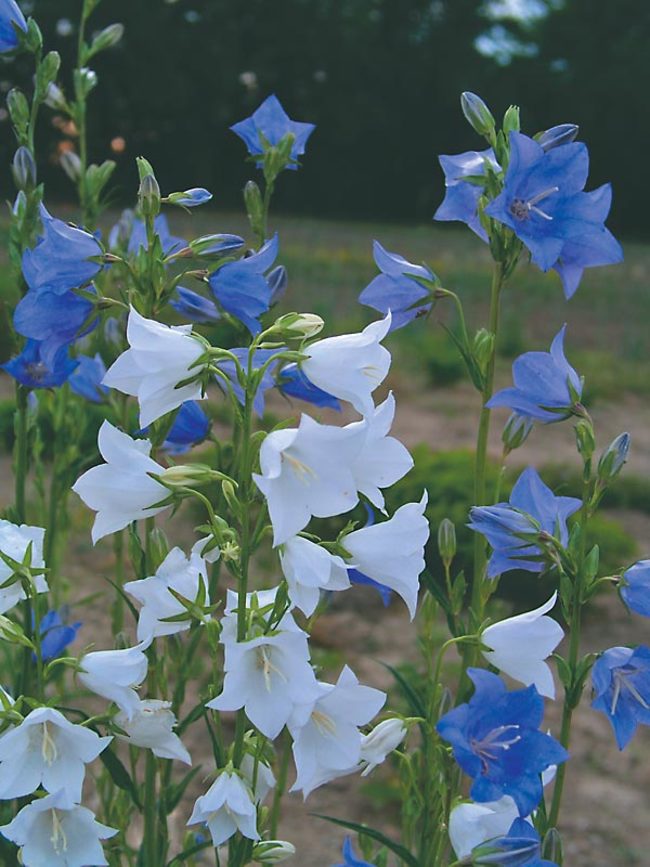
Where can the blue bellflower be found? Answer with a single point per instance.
(277, 280)
(191, 426)
(546, 387)
(520, 847)
(56, 633)
(10, 18)
(533, 508)
(260, 357)
(55, 319)
(271, 123)
(621, 681)
(544, 203)
(241, 287)
(397, 288)
(60, 261)
(293, 382)
(86, 380)
(33, 371)
(635, 587)
(496, 740)
(461, 197)
(191, 198)
(194, 307)
(349, 857)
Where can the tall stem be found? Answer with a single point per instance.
(87, 218)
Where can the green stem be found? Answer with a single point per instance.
(87, 217)
(280, 788)
(150, 829)
(20, 452)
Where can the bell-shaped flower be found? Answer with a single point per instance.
(546, 387)
(35, 367)
(310, 568)
(15, 540)
(520, 645)
(397, 289)
(511, 528)
(270, 123)
(185, 576)
(292, 382)
(11, 18)
(634, 587)
(160, 357)
(308, 471)
(86, 380)
(191, 426)
(621, 681)
(379, 743)
(46, 750)
(472, 824)
(57, 633)
(461, 196)
(121, 490)
(521, 846)
(54, 319)
(350, 366)
(151, 727)
(259, 777)
(544, 203)
(349, 857)
(326, 737)
(227, 807)
(56, 832)
(115, 675)
(383, 460)
(193, 306)
(241, 288)
(496, 740)
(268, 676)
(62, 258)
(392, 553)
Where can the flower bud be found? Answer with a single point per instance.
(18, 108)
(47, 72)
(87, 79)
(157, 548)
(483, 347)
(447, 541)
(215, 245)
(71, 165)
(190, 198)
(55, 98)
(186, 475)
(254, 204)
(556, 136)
(149, 196)
(585, 439)
(277, 280)
(515, 433)
(552, 846)
(23, 169)
(299, 324)
(381, 741)
(477, 114)
(273, 851)
(107, 38)
(511, 120)
(614, 457)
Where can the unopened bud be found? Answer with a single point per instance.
(189, 198)
(107, 38)
(477, 114)
(585, 439)
(55, 97)
(516, 430)
(185, 475)
(87, 79)
(299, 324)
(563, 133)
(215, 245)
(381, 741)
(254, 204)
(483, 347)
(273, 851)
(277, 280)
(511, 120)
(18, 108)
(157, 548)
(71, 165)
(23, 169)
(149, 196)
(614, 457)
(552, 846)
(447, 541)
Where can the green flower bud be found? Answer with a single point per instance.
(108, 37)
(273, 851)
(18, 109)
(23, 169)
(149, 196)
(447, 541)
(511, 120)
(585, 439)
(299, 324)
(477, 114)
(254, 204)
(71, 165)
(515, 433)
(613, 458)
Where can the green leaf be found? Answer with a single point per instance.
(414, 700)
(402, 853)
(180, 859)
(120, 775)
(174, 794)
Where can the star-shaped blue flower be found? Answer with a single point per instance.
(54, 319)
(32, 370)
(496, 740)
(270, 123)
(621, 681)
(546, 387)
(635, 587)
(533, 508)
(397, 288)
(461, 197)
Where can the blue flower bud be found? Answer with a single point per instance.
(613, 458)
(23, 169)
(190, 198)
(477, 114)
(563, 133)
(215, 245)
(515, 433)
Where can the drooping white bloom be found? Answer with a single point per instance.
(520, 645)
(225, 808)
(472, 824)
(120, 491)
(350, 366)
(383, 460)
(151, 727)
(177, 572)
(159, 358)
(380, 742)
(114, 674)
(392, 552)
(46, 749)
(262, 774)
(326, 737)
(199, 547)
(14, 541)
(310, 568)
(56, 832)
(308, 471)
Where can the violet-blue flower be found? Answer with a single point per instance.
(138, 238)
(10, 18)
(61, 259)
(520, 847)
(33, 371)
(544, 203)
(533, 508)
(190, 198)
(621, 681)
(191, 426)
(193, 306)
(56, 633)
(277, 280)
(635, 587)
(349, 857)
(397, 288)
(241, 287)
(270, 123)
(293, 382)
(54, 319)
(86, 380)
(461, 197)
(496, 740)
(546, 387)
